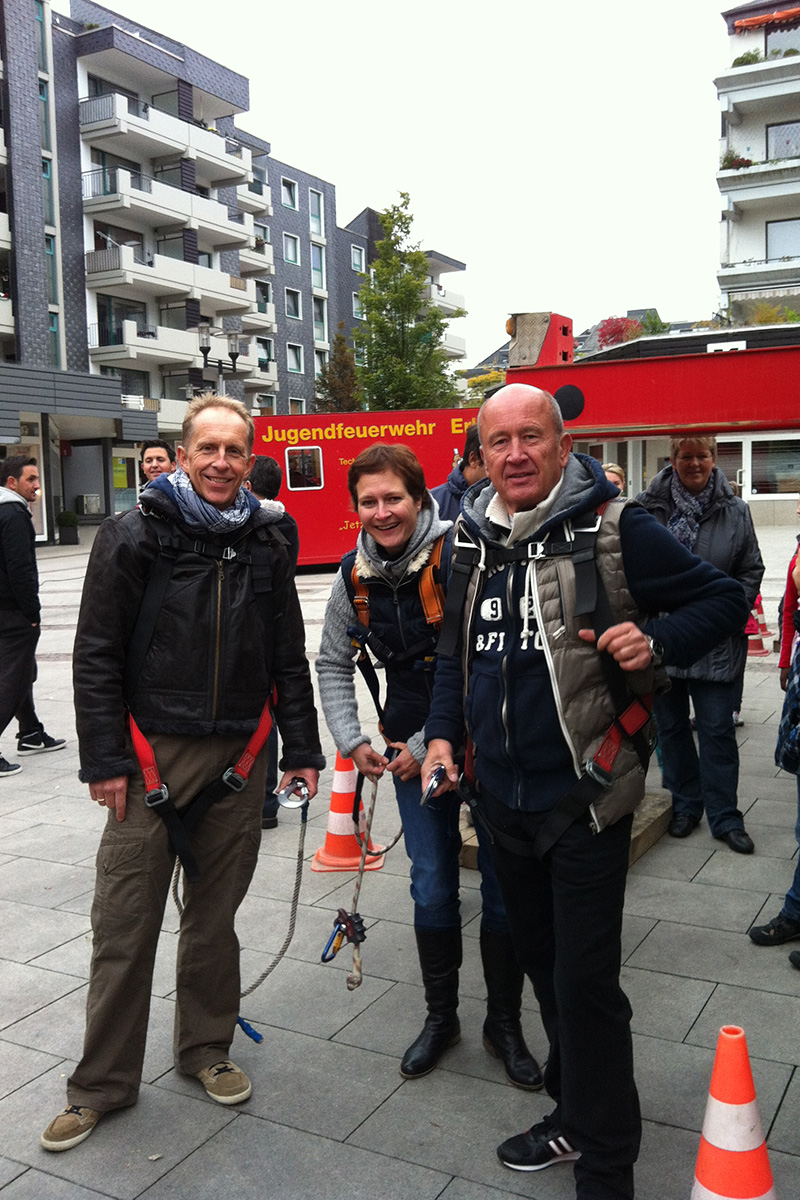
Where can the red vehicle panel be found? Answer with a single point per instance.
(315, 453)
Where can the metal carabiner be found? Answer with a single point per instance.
(334, 943)
(438, 775)
(295, 787)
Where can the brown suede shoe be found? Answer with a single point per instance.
(225, 1082)
(70, 1127)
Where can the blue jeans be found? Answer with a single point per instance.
(711, 780)
(433, 844)
(791, 905)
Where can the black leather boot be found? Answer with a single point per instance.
(439, 957)
(502, 1032)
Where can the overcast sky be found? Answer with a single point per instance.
(565, 152)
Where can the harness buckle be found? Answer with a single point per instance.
(228, 553)
(157, 796)
(598, 773)
(235, 782)
(536, 550)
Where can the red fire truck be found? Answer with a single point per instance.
(315, 454)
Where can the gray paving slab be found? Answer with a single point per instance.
(36, 1185)
(24, 989)
(673, 859)
(692, 903)
(21, 1064)
(127, 1153)
(47, 884)
(664, 1006)
(253, 1156)
(755, 872)
(29, 931)
(10, 1170)
(770, 1021)
(785, 1131)
(51, 843)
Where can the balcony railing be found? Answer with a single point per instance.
(104, 182)
(261, 305)
(238, 284)
(255, 185)
(102, 334)
(264, 363)
(233, 148)
(101, 108)
(141, 403)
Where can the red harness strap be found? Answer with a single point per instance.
(628, 723)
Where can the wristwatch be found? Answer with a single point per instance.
(656, 651)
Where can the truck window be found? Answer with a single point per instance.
(304, 468)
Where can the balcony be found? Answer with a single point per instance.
(759, 186)
(134, 342)
(756, 88)
(6, 317)
(758, 274)
(255, 197)
(256, 258)
(134, 130)
(454, 347)
(161, 205)
(264, 378)
(141, 403)
(261, 319)
(443, 298)
(122, 270)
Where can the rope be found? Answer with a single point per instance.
(356, 975)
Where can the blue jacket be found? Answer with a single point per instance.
(512, 706)
(448, 495)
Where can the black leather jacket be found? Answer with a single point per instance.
(210, 661)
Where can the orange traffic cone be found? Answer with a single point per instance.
(341, 851)
(732, 1162)
(758, 611)
(756, 631)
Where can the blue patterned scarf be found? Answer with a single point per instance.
(197, 513)
(685, 521)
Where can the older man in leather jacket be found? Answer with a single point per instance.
(226, 630)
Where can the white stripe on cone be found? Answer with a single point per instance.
(732, 1126)
(702, 1193)
(345, 781)
(341, 824)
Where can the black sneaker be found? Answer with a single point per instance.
(542, 1146)
(777, 931)
(7, 768)
(38, 743)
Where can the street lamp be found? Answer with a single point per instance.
(236, 345)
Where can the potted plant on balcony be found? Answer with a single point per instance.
(68, 531)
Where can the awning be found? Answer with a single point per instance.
(783, 17)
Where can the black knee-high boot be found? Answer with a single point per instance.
(439, 957)
(502, 1032)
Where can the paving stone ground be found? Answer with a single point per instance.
(330, 1117)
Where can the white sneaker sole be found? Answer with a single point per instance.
(562, 1158)
(42, 749)
(7, 774)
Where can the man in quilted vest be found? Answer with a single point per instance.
(557, 642)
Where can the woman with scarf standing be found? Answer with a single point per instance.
(400, 526)
(693, 499)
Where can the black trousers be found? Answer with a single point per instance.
(565, 914)
(18, 640)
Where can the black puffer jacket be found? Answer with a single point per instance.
(209, 664)
(728, 540)
(19, 580)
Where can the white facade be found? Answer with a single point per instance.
(759, 175)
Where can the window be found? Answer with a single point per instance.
(44, 122)
(776, 466)
(171, 246)
(320, 320)
(38, 8)
(261, 231)
(263, 294)
(316, 217)
(47, 191)
(205, 259)
(783, 141)
(297, 406)
(291, 248)
(55, 349)
(50, 260)
(303, 464)
(294, 305)
(266, 352)
(358, 311)
(783, 239)
(288, 193)
(266, 402)
(133, 383)
(357, 258)
(359, 356)
(320, 361)
(317, 266)
(172, 316)
(294, 358)
(781, 40)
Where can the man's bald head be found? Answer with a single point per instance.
(523, 444)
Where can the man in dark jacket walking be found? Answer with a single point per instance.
(470, 469)
(563, 579)
(19, 609)
(224, 629)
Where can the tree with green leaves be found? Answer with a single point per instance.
(402, 332)
(338, 389)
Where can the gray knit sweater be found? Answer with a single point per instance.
(336, 659)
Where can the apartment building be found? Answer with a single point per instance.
(150, 248)
(759, 175)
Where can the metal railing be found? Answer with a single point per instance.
(233, 148)
(141, 403)
(256, 186)
(102, 334)
(760, 262)
(265, 363)
(104, 182)
(101, 108)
